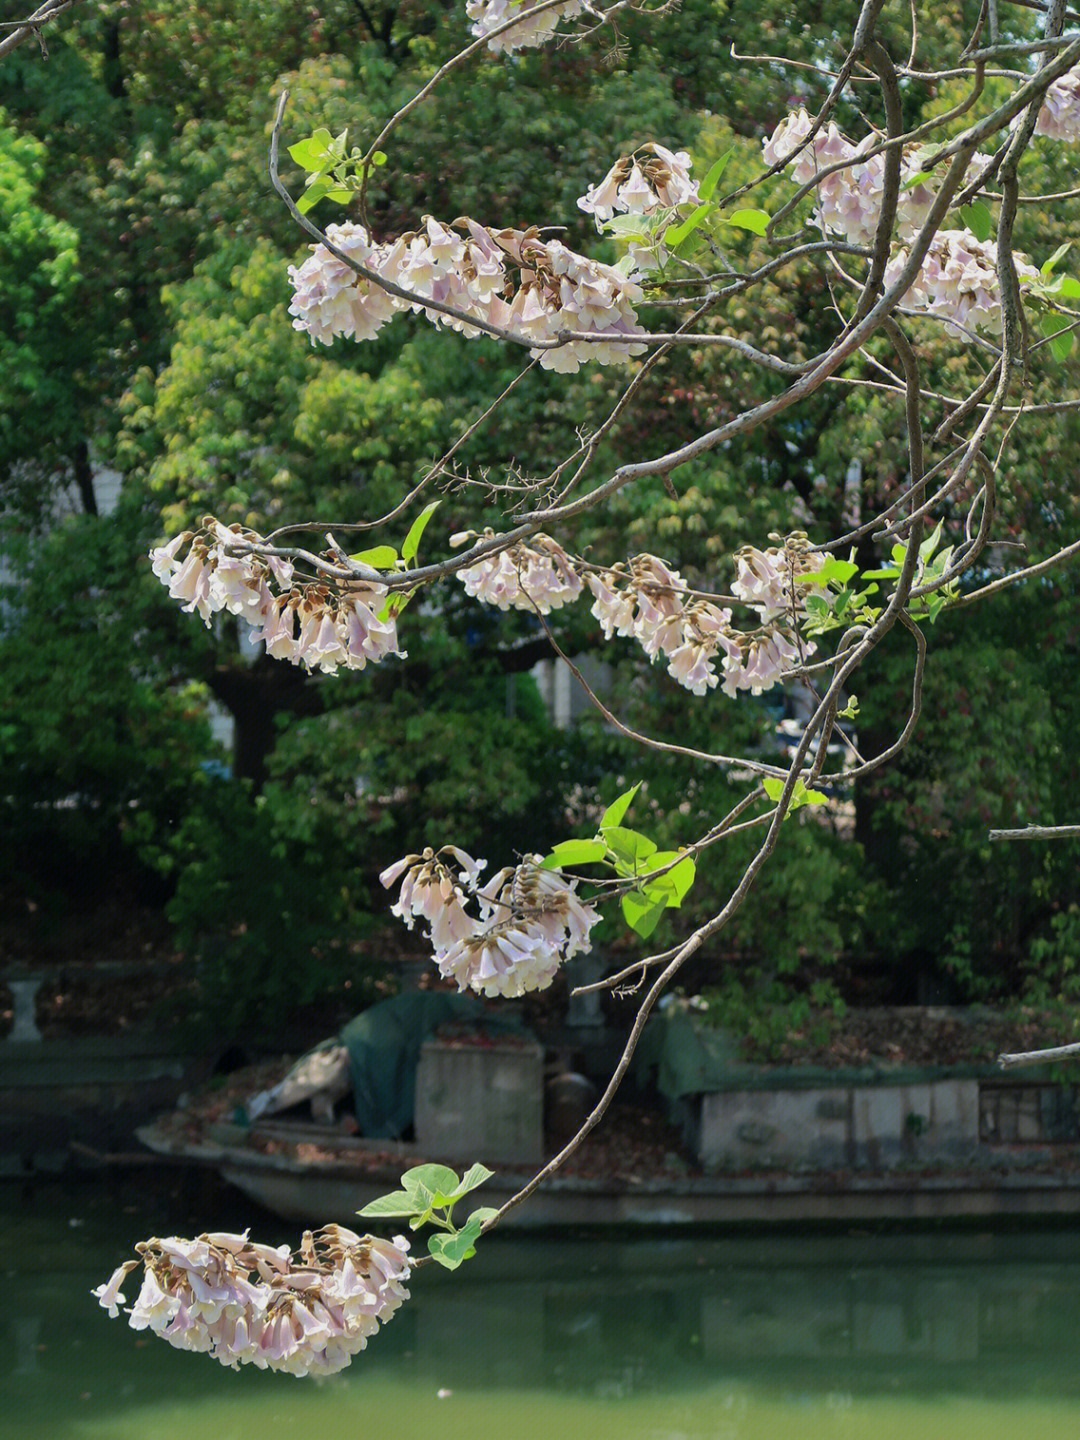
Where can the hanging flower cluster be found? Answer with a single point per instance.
(1059, 115)
(646, 601)
(529, 920)
(509, 278)
(958, 281)
(314, 625)
(532, 575)
(766, 579)
(643, 600)
(244, 1303)
(652, 178)
(488, 15)
(849, 201)
(209, 579)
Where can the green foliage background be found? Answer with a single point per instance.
(144, 298)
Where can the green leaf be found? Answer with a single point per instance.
(1048, 265)
(833, 569)
(891, 574)
(1060, 344)
(483, 1213)
(641, 913)
(978, 219)
(411, 544)
(432, 1178)
(628, 846)
(314, 154)
(401, 1202)
(1068, 288)
(451, 1250)
(707, 188)
(395, 604)
(575, 852)
(919, 178)
(379, 158)
(617, 809)
(320, 186)
(930, 544)
(381, 557)
(627, 227)
(474, 1176)
(676, 234)
(774, 788)
(755, 220)
(676, 882)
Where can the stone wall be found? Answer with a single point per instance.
(842, 1127)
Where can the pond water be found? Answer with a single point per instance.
(949, 1335)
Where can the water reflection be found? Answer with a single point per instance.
(663, 1339)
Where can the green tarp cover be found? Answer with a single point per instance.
(384, 1050)
(688, 1058)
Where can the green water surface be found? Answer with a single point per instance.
(950, 1335)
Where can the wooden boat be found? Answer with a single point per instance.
(311, 1175)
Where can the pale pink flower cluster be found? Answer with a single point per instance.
(435, 892)
(645, 601)
(534, 574)
(652, 178)
(488, 15)
(560, 290)
(329, 297)
(528, 920)
(766, 579)
(244, 1303)
(1059, 115)
(472, 269)
(849, 201)
(958, 281)
(312, 625)
(209, 578)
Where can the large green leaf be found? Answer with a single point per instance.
(575, 852)
(641, 913)
(755, 220)
(628, 846)
(451, 1250)
(432, 1178)
(401, 1202)
(614, 813)
(707, 188)
(411, 544)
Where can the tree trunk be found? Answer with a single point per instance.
(84, 477)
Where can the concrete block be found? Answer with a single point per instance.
(897, 1123)
(804, 1129)
(483, 1103)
